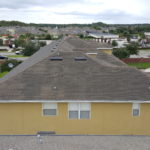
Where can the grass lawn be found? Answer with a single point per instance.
(144, 49)
(3, 74)
(140, 65)
(15, 56)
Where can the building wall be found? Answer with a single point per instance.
(107, 51)
(106, 119)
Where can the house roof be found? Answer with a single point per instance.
(102, 78)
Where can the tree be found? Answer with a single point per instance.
(114, 43)
(132, 48)
(30, 49)
(12, 23)
(29, 36)
(1, 42)
(142, 35)
(42, 43)
(121, 53)
(48, 37)
(20, 41)
(81, 36)
(128, 38)
(23, 39)
(16, 43)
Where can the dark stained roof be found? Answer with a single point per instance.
(102, 78)
(79, 44)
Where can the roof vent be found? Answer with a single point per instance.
(80, 59)
(56, 58)
(39, 133)
(149, 87)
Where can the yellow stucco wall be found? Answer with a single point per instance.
(107, 51)
(106, 119)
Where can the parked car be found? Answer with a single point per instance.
(3, 57)
(18, 52)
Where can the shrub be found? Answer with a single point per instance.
(132, 48)
(5, 66)
(114, 43)
(121, 53)
(30, 49)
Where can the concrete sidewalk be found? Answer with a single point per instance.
(75, 143)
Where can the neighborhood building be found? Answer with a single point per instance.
(147, 36)
(103, 37)
(71, 88)
(7, 39)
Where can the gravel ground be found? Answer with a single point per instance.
(75, 143)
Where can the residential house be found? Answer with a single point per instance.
(147, 37)
(62, 89)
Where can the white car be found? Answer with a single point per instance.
(18, 52)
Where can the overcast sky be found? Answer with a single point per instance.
(76, 11)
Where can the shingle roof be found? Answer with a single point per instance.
(101, 78)
(82, 44)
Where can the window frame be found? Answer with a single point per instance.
(49, 103)
(79, 110)
(134, 108)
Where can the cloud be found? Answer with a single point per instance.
(17, 4)
(78, 11)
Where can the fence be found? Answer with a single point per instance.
(136, 60)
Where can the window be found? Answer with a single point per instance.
(73, 110)
(136, 109)
(49, 109)
(84, 110)
(79, 110)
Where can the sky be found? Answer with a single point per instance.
(76, 11)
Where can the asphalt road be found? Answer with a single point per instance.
(11, 53)
(20, 58)
(6, 53)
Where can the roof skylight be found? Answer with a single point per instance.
(80, 59)
(56, 58)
